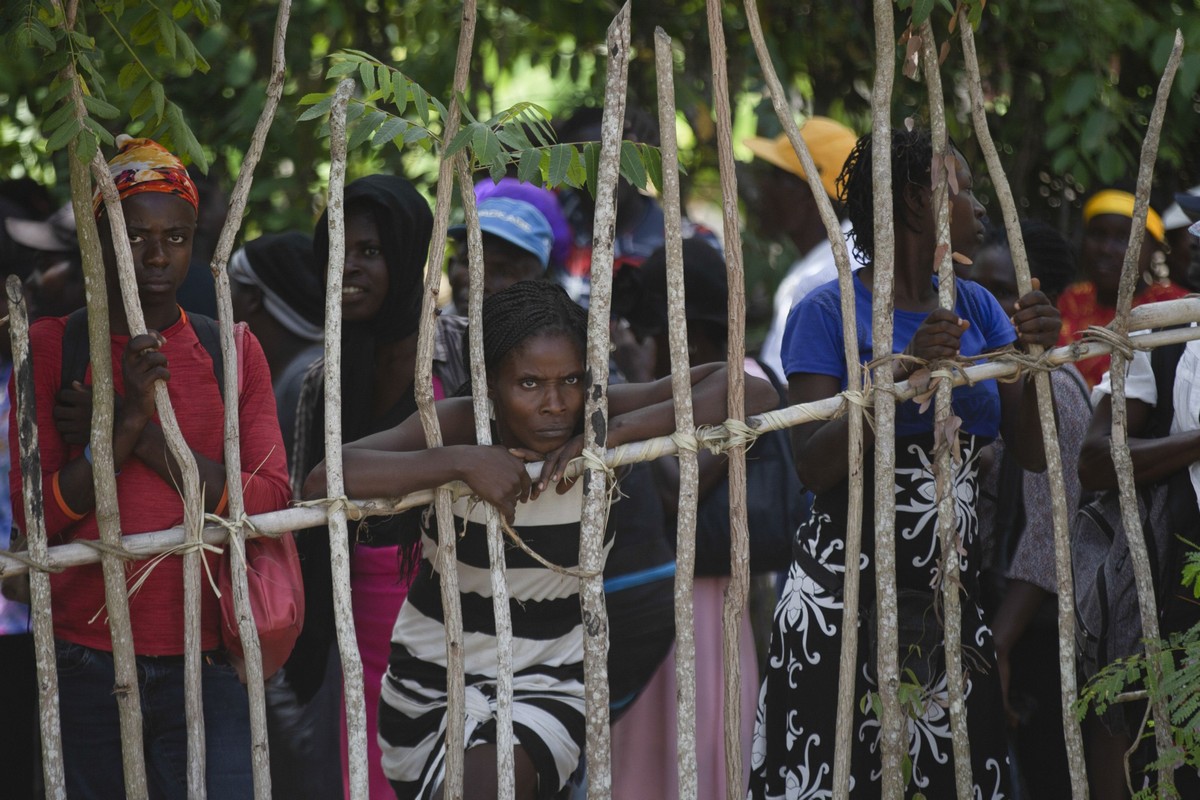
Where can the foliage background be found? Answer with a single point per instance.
(1070, 84)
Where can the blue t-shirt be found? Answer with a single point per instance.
(813, 343)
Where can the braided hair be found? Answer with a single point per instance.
(522, 311)
(912, 156)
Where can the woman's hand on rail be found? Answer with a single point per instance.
(1037, 320)
(554, 466)
(497, 475)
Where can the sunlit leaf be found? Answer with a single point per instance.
(421, 103)
(63, 134)
(560, 162)
(366, 74)
(632, 168)
(652, 158)
(591, 165)
(528, 167)
(389, 130)
(166, 33)
(320, 107)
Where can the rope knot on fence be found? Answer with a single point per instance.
(334, 504)
(1119, 342)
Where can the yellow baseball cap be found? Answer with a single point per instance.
(828, 141)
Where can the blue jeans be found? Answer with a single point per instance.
(91, 729)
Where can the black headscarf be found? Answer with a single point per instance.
(405, 226)
(283, 265)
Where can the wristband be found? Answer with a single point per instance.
(87, 455)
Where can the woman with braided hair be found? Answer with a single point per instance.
(793, 750)
(534, 344)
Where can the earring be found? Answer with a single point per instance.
(1158, 266)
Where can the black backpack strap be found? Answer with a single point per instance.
(76, 356)
(75, 353)
(208, 332)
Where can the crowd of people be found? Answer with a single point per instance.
(537, 254)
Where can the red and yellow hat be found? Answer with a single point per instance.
(144, 165)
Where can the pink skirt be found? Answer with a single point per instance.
(377, 597)
(644, 754)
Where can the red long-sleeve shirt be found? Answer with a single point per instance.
(146, 501)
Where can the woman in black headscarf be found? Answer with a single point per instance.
(388, 227)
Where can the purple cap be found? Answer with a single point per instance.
(543, 200)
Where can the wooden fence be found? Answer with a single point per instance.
(867, 394)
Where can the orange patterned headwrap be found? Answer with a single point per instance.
(144, 165)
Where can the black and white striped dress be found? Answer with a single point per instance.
(548, 705)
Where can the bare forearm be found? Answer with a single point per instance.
(1021, 425)
(377, 473)
(152, 450)
(1153, 459)
(76, 481)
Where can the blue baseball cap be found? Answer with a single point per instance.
(517, 222)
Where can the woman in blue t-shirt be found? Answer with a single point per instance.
(794, 739)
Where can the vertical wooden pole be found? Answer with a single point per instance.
(681, 391)
(247, 628)
(595, 428)
(947, 520)
(882, 304)
(447, 560)
(50, 722)
(1054, 469)
(339, 540)
(854, 375)
(1122, 461)
(505, 767)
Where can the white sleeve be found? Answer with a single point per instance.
(1139, 382)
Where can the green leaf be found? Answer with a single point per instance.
(415, 133)
(421, 101)
(577, 172)
(354, 111)
(367, 126)
(341, 69)
(185, 139)
(399, 92)
(383, 79)
(460, 140)
(64, 134)
(498, 168)
(100, 107)
(59, 116)
(389, 130)
(652, 158)
(527, 168)
(921, 11)
(366, 74)
(166, 34)
(441, 109)
(1081, 93)
(320, 108)
(142, 103)
(85, 147)
(128, 76)
(632, 168)
(97, 130)
(560, 162)
(42, 34)
(156, 92)
(514, 138)
(591, 165)
(313, 97)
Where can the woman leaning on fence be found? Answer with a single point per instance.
(794, 744)
(534, 343)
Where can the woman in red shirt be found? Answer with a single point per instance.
(1107, 218)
